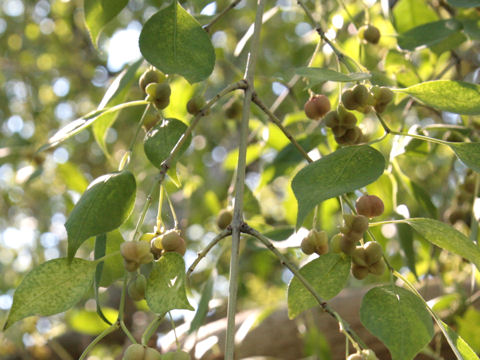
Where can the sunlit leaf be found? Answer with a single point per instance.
(166, 285)
(51, 288)
(88, 322)
(463, 348)
(398, 318)
(175, 43)
(327, 274)
(468, 153)
(454, 96)
(446, 237)
(411, 13)
(345, 170)
(105, 205)
(98, 13)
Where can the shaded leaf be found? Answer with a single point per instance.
(405, 235)
(51, 288)
(202, 309)
(454, 96)
(98, 13)
(318, 75)
(428, 34)
(468, 153)
(175, 43)
(345, 170)
(398, 318)
(464, 3)
(446, 237)
(166, 285)
(113, 268)
(105, 206)
(328, 275)
(162, 138)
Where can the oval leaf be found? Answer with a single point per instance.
(166, 285)
(468, 153)
(398, 318)
(99, 13)
(175, 43)
(105, 206)
(446, 237)
(51, 288)
(318, 75)
(328, 275)
(428, 34)
(161, 139)
(464, 3)
(345, 170)
(454, 96)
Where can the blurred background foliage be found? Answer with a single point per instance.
(52, 74)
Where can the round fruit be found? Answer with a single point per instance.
(360, 94)
(373, 252)
(136, 288)
(359, 224)
(355, 357)
(348, 100)
(347, 245)
(177, 355)
(335, 243)
(332, 119)
(195, 104)
(307, 246)
(317, 106)
(348, 120)
(224, 218)
(150, 76)
(359, 272)
(128, 250)
(369, 206)
(320, 241)
(134, 352)
(159, 94)
(369, 354)
(359, 257)
(378, 268)
(152, 354)
(370, 34)
(172, 241)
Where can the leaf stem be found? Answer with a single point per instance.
(152, 327)
(344, 326)
(208, 27)
(98, 339)
(141, 219)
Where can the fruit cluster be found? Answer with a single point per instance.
(154, 84)
(361, 99)
(315, 242)
(351, 232)
(169, 241)
(140, 352)
(343, 124)
(135, 253)
(368, 259)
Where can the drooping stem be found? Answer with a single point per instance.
(141, 219)
(240, 183)
(151, 328)
(344, 326)
(220, 15)
(95, 341)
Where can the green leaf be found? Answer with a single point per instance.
(88, 322)
(51, 288)
(80, 124)
(175, 43)
(471, 27)
(166, 285)
(98, 13)
(405, 235)
(454, 96)
(428, 34)
(446, 237)
(398, 318)
(162, 138)
(411, 13)
(114, 95)
(328, 275)
(463, 348)
(347, 169)
(105, 206)
(113, 268)
(464, 3)
(72, 176)
(202, 310)
(468, 153)
(319, 75)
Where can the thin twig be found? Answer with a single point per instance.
(220, 15)
(344, 326)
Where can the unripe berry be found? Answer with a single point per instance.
(369, 206)
(317, 106)
(332, 119)
(359, 257)
(134, 352)
(348, 120)
(135, 253)
(348, 100)
(359, 272)
(136, 288)
(128, 250)
(307, 246)
(359, 224)
(369, 354)
(378, 268)
(172, 241)
(370, 34)
(195, 104)
(177, 355)
(150, 76)
(320, 241)
(159, 94)
(373, 252)
(347, 245)
(360, 94)
(350, 137)
(355, 357)
(152, 354)
(335, 243)
(224, 218)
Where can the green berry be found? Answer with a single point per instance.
(177, 355)
(195, 104)
(359, 224)
(335, 243)
(373, 252)
(152, 354)
(349, 101)
(136, 288)
(317, 106)
(360, 94)
(378, 268)
(370, 34)
(172, 242)
(307, 245)
(359, 256)
(347, 245)
(134, 352)
(150, 76)
(224, 218)
(355, 357)
(369, 206)
(332, 119)
(359, 272)
(159, 94)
